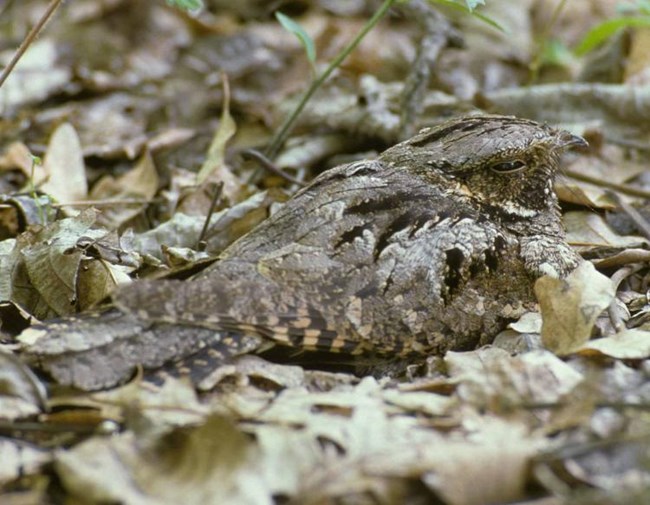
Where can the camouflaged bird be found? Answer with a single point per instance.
(433, 246)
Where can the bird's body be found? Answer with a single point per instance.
(433, 246)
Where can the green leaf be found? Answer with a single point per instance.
(188, 5)
(601, 32)
(292, 27)
(644, 6)
(556, 53)
(473, 4)
(469, 10)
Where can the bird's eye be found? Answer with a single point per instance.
(505, 167)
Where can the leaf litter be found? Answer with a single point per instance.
(555, 410)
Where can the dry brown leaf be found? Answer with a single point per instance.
(489, 467)
(216, 156)
(628, 344)
(492, 378)
(175, 403)
(20, 459)
(225, 227)
(22, 210)
(96, 280)
(571, 306)
(17, 155)
(64, 169)
(246, 369)
(21, 393)
(9, 259)
(37, 75)
(522, 335)
(586, 195)
(419, 402)
(530, 322)
(44, 280)
(586, 229)
(214, 463)
(637, 68)
(605, 162)
(112, 126)
(140, 184)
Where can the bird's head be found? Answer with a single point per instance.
(500, 161)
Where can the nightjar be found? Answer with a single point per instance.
(435, 245)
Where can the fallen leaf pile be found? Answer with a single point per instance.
(125, 138)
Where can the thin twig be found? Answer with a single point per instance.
(200, 243)
(626, 257)
(623, 273)
(33, 33)
(536, 64)
(641, 222)
(270, 166)
(626, 189)
(279, 138)
(614, 311)
(615, 316)
(437, 33)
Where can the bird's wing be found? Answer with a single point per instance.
(333, 265)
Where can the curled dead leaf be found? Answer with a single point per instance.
(628, 344)
(65, 172)
(571, 306)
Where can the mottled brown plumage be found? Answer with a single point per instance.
(433, 246)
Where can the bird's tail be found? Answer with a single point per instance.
(97, 351)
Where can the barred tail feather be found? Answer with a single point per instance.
(103, 350)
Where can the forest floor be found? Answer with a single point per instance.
(124, 125)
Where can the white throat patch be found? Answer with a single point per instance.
(517, 210)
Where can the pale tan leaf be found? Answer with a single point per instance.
(491, 470)
(9, 258)
(571, 306)
(213, 463)
(64, 166)
(628, 344)
(175, 403)
(37, 75)
(586, 195)
(532, 377)
(139, 184)
(20, 459)
(586, 229)
(17, 156)
(418, 401)
(247, 368)
(522, 335)
(178, 257)
(530, 322)
(21, 393)
(96, 280)
(637, 68)
(289, 457)
(215, 159)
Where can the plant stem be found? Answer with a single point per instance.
(536, 64)
(279, 138)
(33, 33)
(32, 189)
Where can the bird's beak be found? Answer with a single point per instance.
(566, 140)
